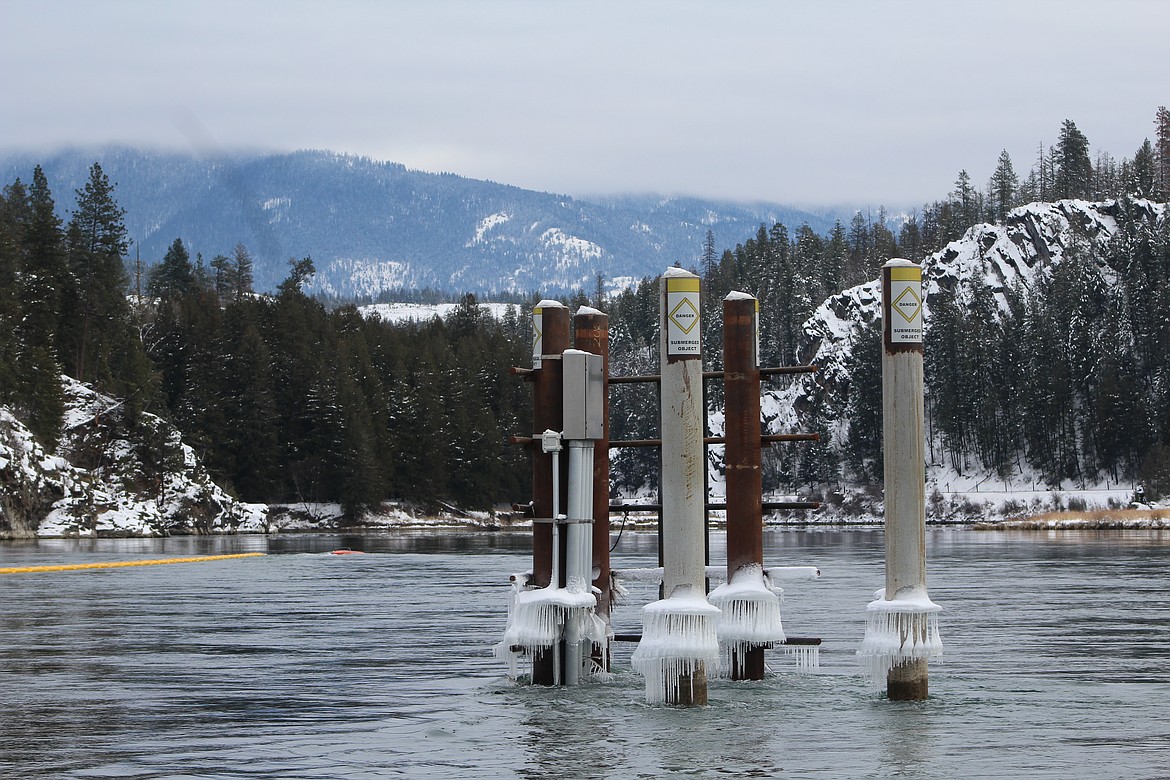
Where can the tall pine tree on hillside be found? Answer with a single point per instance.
(1074, 168)
(175, 276)
(43, 275)
(44, 272)
(910, 244)
(1002, 189)
(13, 207)
(1162, 153)
(99, 345)
(1142, 173)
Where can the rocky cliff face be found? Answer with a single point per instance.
(110, 479)
(32, 480)
(1031, 241)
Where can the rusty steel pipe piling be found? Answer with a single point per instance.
(550, 324)
(744, 478)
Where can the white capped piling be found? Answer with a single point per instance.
(678, 637)
(902, 624)
(683, 452)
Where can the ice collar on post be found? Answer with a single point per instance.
(537, 619)
(678, 642)
(749, 615)
(897, 630)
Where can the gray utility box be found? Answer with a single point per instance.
(584, 395)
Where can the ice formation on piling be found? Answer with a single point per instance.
(678, 640)
(897, 630)
(749, 616)
(807, 656)
(539, 618)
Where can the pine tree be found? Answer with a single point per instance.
(965, 205)
(44, 271)
(1107, 177)
(360, 485)
(830, 270)
(97, 308)
(944, 371)
(249, 455)
(858, 267)
(1074, 168)
(1162, 154)
(885, 245)
(175, 276)
(910, 243)
(863, 446)
(42, 400)
(300, 272)
(223, 278)
(1002, 189)
(242, 275)
(710, 256)
(38, 250)
(13, 218)
(1143, 174)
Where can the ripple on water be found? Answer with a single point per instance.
(300, 665)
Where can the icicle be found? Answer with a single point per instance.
(537, 619)
(678, 641)
(807, 656)
(897, 630)
(749, 616)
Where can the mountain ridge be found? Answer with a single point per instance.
(372, 227)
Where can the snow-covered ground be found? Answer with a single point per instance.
(422, 312)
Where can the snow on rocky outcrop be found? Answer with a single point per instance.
(106, 480)
(1032, 239)
(33, 480)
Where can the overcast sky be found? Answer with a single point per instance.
(812, 102)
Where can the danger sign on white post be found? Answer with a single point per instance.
(905, 305)
(682, 315)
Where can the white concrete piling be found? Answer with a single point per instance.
(678, 632)
(901, 628)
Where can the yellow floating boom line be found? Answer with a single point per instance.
(121, 564)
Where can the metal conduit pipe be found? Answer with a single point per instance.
(579, 558)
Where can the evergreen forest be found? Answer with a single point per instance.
(286, 399)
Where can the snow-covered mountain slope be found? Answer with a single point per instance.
(374, 226)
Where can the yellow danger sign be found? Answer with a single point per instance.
(905, 297)
(682, 315)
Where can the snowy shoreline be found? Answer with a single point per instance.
(328, 519)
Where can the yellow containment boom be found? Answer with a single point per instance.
(121, 564)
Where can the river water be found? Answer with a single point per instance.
(304, 665)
